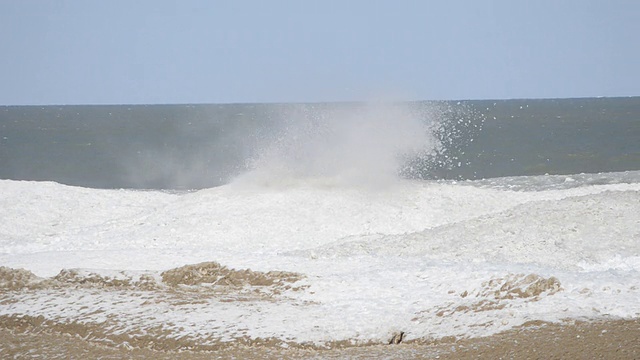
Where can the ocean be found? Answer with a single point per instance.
(199, 227)
(201, 146)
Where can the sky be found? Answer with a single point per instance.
(240, 51)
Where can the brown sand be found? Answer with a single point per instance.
(25, 337)
(613, 339)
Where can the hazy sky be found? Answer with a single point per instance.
(159, 51)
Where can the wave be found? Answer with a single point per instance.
(371, 144)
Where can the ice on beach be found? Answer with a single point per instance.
(430, 259)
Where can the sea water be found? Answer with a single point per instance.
(356, 222)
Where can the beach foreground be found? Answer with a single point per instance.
(439, 261)
(611, 339)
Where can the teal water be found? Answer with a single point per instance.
(197, 146)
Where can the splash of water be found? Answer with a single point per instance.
(454, 128)
(354, 144)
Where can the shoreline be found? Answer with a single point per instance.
(611, 339)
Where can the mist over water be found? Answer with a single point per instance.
(364, 144)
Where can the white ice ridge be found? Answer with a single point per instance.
(427, 258)
(40, 217)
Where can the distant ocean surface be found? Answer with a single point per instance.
(204, 227)
(199, 146)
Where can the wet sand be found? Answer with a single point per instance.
(613, 339)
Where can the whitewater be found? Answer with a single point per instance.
(321, 252)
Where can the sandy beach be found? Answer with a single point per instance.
(611, 339)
